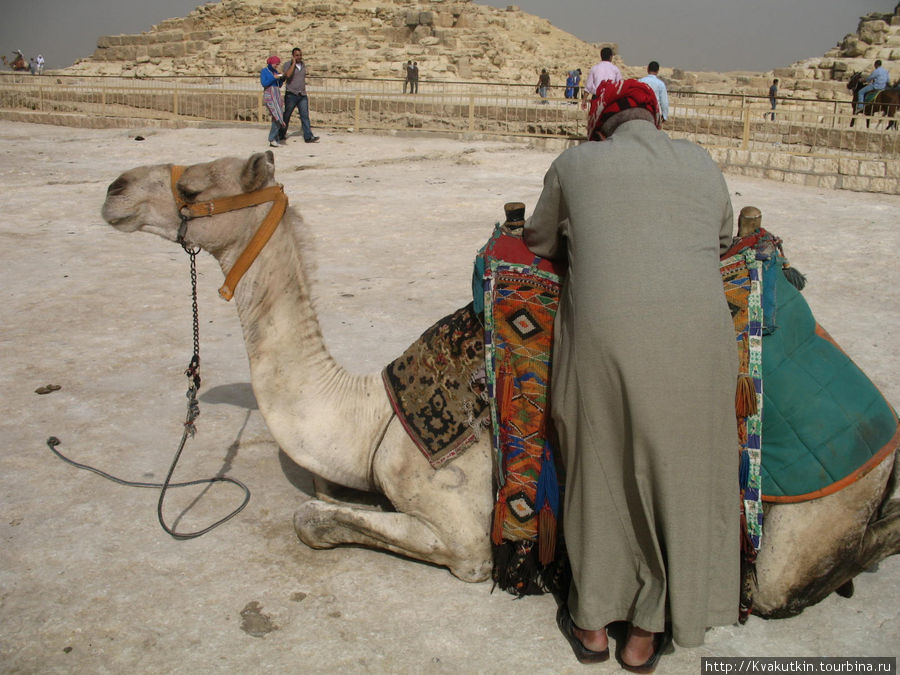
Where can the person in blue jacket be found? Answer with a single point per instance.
(271, 81)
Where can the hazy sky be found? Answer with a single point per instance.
(692, 34)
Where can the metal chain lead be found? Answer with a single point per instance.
(193, 412)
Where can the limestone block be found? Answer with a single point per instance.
(857, 183)
(828, 182)
(853, 47)
(412, 18)
(268, 25)
(882, 185)
(795, 178)
(895, 20)
(443, 19)
(848, 167)
(871, 168)
(774, 174)
(201, 35)
(754, 172)
(801, 164)
(892, 168)
(217, 40)
(825, 166)
(430, 41)
(759, 159)
(740, 156)
(167, 36)
(426, 18)
(779, 160)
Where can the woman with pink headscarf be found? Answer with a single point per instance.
(271, 81)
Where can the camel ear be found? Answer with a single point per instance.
(258, 171)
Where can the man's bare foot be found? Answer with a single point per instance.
(638, 648)
(595, 640)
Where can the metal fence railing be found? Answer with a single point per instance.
(801, 126)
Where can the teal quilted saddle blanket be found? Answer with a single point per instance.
(825, 424)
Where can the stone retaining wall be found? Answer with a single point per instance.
(859, 175)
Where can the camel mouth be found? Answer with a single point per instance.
(124, 223)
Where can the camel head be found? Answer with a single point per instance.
(144, 199)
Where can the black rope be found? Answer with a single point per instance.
(193, 412)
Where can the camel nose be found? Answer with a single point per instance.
(117, 187)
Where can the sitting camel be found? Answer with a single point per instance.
(342, 427)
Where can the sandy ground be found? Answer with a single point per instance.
(88, 580)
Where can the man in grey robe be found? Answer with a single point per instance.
(643, 383)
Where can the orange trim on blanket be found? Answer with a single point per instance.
(851, 478)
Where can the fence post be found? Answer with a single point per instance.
(40, 97)
(745, 112)
(259, 107)
(471, 112)
(356, 112)
(175, 101)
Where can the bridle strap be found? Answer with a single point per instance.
(256, 244)
(273, 193)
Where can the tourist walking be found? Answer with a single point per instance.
(659, 88)
(773, 101)
(271, 84)
(644, 374)
(408, 75)
(414, 78)
(543, 85)
(295, 96)
(603, 71)
(40, 64)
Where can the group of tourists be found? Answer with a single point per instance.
(293, 76)
(643, 378)
(412, 77)
(603, 71)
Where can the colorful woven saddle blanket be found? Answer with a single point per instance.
(520, 296)
(824, 423)
(437, 387)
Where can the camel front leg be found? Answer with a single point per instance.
(441, 516)
(324, 525)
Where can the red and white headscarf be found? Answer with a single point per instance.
(613, 97)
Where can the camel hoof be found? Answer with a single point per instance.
(312, 526)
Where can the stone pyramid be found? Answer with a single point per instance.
(450, 40)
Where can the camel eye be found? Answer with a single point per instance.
(188, 195)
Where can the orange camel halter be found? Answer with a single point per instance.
(188, 211)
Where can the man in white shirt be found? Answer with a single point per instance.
(659, 88)
(605, 70)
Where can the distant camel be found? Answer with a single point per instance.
(885, 102)
(18, 63)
